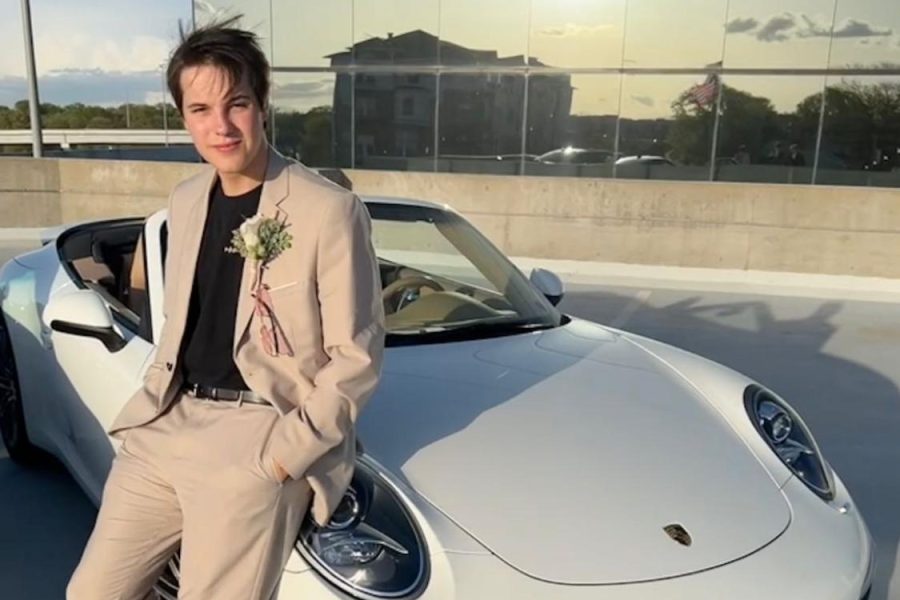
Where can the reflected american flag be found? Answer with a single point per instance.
(704, 94)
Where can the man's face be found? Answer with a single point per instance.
(225, 123)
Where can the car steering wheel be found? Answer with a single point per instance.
(406, 285)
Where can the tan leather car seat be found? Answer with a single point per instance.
(137, 279)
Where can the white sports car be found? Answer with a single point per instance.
(510, 451)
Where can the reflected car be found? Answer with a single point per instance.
(518, 157)
(575, 156)
(510, 450)
(643, 159)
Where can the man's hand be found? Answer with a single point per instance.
(282, 474)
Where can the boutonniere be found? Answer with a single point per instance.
(261, 239)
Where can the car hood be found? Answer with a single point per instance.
(568, 452)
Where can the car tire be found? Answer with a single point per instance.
(166, 587)
(12, 415)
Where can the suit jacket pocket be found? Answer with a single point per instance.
(296, 311)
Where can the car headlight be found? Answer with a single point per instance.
(372, 547)
(790, 438)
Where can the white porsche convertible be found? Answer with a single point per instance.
(510, 451)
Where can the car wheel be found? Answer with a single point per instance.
(12, 417)
(166, 587)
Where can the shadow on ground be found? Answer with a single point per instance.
(45, 521)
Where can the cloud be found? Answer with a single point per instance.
(81, 51)
(813, 28)
(572, 30)
(740, 25)
(645, 100)
(853, 28)
(782, 27)
(86, 86)
(303, 95)
(776, 28)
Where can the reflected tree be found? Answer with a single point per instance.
(306, 136)
(862, 124)
(746, 124)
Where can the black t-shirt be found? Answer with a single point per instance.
(209, 332)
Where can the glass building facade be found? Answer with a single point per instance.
(787, 91)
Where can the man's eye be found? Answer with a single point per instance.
(198, 110)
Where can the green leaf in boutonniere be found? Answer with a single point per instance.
(260, 239)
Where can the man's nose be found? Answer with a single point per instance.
(223, 124)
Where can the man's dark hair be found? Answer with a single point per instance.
(221, 44)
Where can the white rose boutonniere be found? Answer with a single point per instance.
(260, 239)
(249, 233)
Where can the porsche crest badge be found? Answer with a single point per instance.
(678, 534)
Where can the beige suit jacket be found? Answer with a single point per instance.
(326, 294)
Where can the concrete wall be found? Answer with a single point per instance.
(93, 189)
(836, 230)
(29, 192)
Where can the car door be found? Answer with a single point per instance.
(102, 380)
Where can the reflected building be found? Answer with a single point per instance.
(403, 117)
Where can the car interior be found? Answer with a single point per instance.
(415, 298)
(109, 259)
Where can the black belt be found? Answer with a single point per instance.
(223, 394)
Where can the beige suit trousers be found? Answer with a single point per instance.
(198, 476)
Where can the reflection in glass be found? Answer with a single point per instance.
(861, 133)
(431, 259)
(493, 32)
(768, 129)
(571, 127)
(311, 118)
(687, 33)
(666, 127)
(480, 123)
(791, 34)
(306, 33)
(581, 34)
(865, 34)
(395, 31)
(395, 121)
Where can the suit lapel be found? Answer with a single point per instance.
(196, 220)
(274, 191)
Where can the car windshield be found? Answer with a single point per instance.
(443, 280)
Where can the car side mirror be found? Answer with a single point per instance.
(83, 313)
(549, 284)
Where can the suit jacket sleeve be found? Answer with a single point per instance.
(352, 317)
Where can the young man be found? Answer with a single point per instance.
(271, 345)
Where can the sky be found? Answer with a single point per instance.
(109, 51)
(91, 51)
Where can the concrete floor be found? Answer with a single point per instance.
(834, 360)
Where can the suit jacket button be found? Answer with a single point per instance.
(168, 366)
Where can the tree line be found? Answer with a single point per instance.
(302, 135)
(861, 128)
(84, 116)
